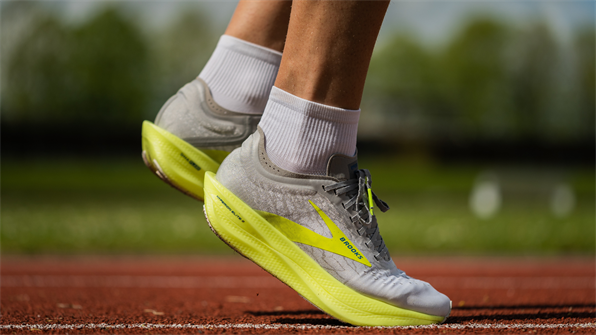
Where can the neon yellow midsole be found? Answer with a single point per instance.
(252, 235)
(183, 164)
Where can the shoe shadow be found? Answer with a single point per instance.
(303, 318)
(481, 315)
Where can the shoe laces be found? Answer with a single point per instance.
(361, 198)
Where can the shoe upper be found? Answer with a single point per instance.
(195, 117)
(343, 197)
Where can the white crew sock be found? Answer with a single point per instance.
(240, 74)
(301, 135)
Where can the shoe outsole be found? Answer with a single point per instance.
(255, 238)
(176, 162)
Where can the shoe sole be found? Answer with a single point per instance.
(177, 162)
(251, 235)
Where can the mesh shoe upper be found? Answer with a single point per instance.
(195, 117)
(250, 175)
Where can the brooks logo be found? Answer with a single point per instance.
(353, 249)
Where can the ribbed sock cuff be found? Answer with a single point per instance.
(240, 74)
(301, 135)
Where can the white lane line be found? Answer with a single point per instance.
(290, 326)
(527, 283)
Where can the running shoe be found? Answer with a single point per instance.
(319, 235)
(191, 135)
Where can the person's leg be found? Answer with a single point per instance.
(322, 73)
(327, 56)
(262, 22)
(215, 113)
(292, 198)
(243, 67)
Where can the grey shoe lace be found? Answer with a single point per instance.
(361, 198)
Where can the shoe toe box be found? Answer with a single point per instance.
(426, 299)
(404, 292)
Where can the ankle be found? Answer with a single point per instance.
(240, 74)
(301, 135)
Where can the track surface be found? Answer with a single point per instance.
(232, 295)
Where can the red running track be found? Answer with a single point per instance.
(232, 295)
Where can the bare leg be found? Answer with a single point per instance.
(261, 22)
(328, 50)
(244, 65)
(314, 108)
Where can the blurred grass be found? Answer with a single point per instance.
(118, 206)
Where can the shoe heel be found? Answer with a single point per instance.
(175, 161)
(249, 233)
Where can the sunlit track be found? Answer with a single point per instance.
(526, 283)
(179, 295)
(286, 326)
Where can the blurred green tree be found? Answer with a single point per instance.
(402, 84)
(474, 80)
(585, 46)
(97, 72)
(402, 76)
(403, 70)
(110, 69)
(36, 77)
(179, 52)
(534, 64)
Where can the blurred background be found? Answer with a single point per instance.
(478, 126)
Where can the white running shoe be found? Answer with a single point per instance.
(319, 235)
(192, 134)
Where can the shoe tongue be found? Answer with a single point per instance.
(342, 167)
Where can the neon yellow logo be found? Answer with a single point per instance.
(337, 244)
